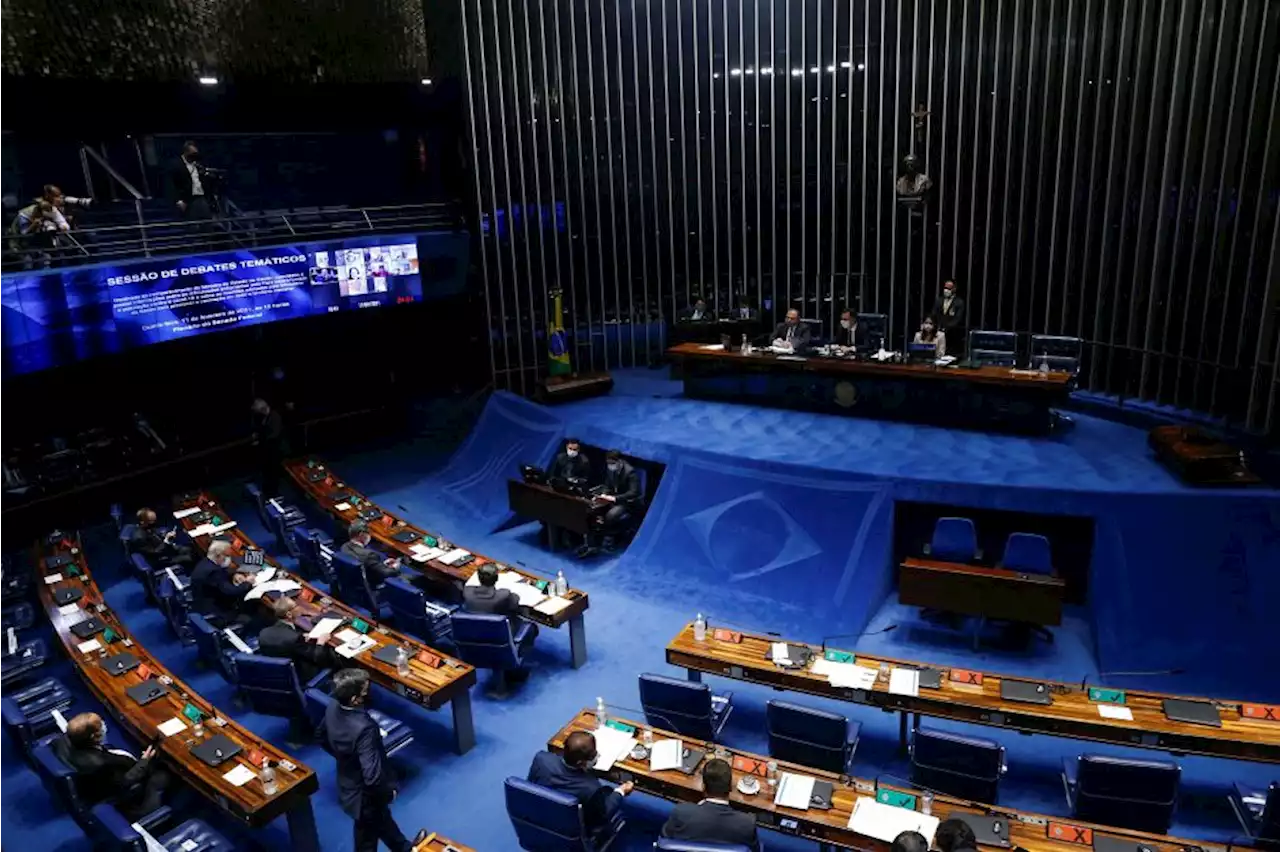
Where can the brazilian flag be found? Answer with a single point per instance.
(557, 343)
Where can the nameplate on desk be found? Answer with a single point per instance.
(838, 656)
(429, 659)
(620, 726)
(720, 634)
(1267, 712)
(966, 677)
(1067, 833)
(896, 799)
(1106, 696)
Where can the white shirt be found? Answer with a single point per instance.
(197, 188)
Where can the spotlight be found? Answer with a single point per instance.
(426, 81)
(207, 80)
(831, 69)
(735, 72)
(813, 70)
(766, 70)
(797, 72)
(846, 64)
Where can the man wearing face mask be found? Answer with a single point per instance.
(218, 590)
(949, 310)
(850, 334)
(570, 463)
(698, 312)
(158, 544)
(570, 774)
(135, 784)
(377, 567)
(621, 488)
(791, 332)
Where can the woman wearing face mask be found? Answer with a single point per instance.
(106, 773)
(929, 333)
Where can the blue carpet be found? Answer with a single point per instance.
(835, 480)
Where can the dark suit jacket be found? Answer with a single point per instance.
(213, 593)
(273, 442)
(564, 467)
(494, 601)
(150, 543)
(707, 315)
(711, 822)
(856, 336)
(180, 178)
(799, 337)
(374, 567)
(623, 484)
(281, 639)
(950, 319)
(101, 774)
(365, 777)
(599, 802)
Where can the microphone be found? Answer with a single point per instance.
(825, 639)
(645, 714)
(718, 623)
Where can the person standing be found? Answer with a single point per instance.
(192, 184)
(949, 311)
(272, 441)
(366, 782)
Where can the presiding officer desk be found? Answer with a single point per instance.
(976, 697)
(322, 485)
(830, 827)
(434, 679)
(977, 397)
(63, 572)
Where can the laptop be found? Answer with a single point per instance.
(1104, 843)
(821, 796)
(989, 830)
(147, 691)
(52, 563)
(1192, 712)
(120, 663)
(216, 750)
(1027, 693)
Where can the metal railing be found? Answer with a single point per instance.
(234, 230)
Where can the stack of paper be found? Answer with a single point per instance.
(666, 754)
(353, 643)
(222, 527)
(185, 513)
(454, 555)
(240, 775)
(794, 791)
(285, 585)
(324, 628)
(885, 822)
(904, 682)
(426, 554)
(612, 745)
(845, 675)
(1115, 711)
(778, 652)
(551, 606)
(173, 726)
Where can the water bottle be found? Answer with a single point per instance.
(602, 717)
(1044, 365)
(746, 347)
(884, 673)
(402, 661)
(562, 585)
(267, 776)
(772, 773)
(198, 730)
(699, 629)
(926, 803)
(648, 737)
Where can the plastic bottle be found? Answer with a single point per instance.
(602, 716)
(267, 775)
(562, 585)
(746, 347)
(699, 629)
(402, 661)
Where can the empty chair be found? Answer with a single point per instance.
(17, 617)
(488, 642)
(954, 540)
(967, 767)
(549, 821)
(353, 584)
(416, 615)
(194, 835)
(125, 537)
(395, 734)
(666, 844)
(254, 493)
(1027, 553)
(148, 576)
(811, 737)
(175, 603)
(26, 658)
(28, 711)
(1137, 794)
(1257, 810)
(307, 541)
(271, 685)
(282, 519)
(684, 708)
(214, 649)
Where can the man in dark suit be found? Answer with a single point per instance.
(745, 311)
(272, 443)
(850, 334)
(713, 820)
(192, 184)
(792, 332)
(136, 784)
(570, 462)
(697, 312)
(951, 314)
(955, 835)
(283, 639)
(366, 783)
(157, 544)
(571, 774)
(377, 567)
(621, 488)
(218, 590)
(488, 598)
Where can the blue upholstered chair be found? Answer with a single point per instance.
(60, 780)
(28, 712)
(148, 576)
(213, 648)
(117, 833)
(1258, 810)
(308, 540)
(175, 604)
(271, 685)
(26, 658)
(548, 821)
(811, 737)
(415, 615)
(1137, 794)
(15, 584)
(954, 540)
(395, 734)
(488, 642)
(125, 537)
(282, 519)
(17, 617)
(1027, 553)
(684, 708)
(967, 767)
(666, 844)
(353, 584)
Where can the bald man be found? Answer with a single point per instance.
(792, 332)
(157, 544)
(102, 773)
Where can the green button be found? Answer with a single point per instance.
(109, 636)
(359, 625)
(838, 656)
(1106, 696)
(620, 726)
(898, 800)
(192, 712)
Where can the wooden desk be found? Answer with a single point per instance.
(981, 397)
(434, 843)
(432, 688)
(543, 503)
(831, 827)
(455, 576)
(248, 803)
(1071, 714)
(976, 590)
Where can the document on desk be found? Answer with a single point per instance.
(527, 594)
(240, 775)
(851, 676)
(264, 575)
(427, 554)
(904, 682)
(666, 754)
(173, 726)
(885, 822)
(713, 347)
(202, 529)
(283, 585)
(778, 653)
(551, 606)
(185, 513)
(794, 791)
(1115, 711)
(222, 527)
(341, 507)
(454, 555)
(611, 746)
(325, 627)
(353, 643)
